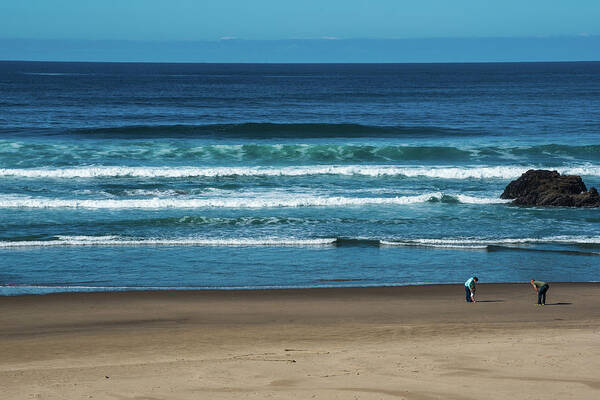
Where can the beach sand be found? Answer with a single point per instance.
(418, 343)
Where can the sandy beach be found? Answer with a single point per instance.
(420, 342)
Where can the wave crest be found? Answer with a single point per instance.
(484, 243)
(246, 202)
(438, 172)
(81, 152)
(118, 241)
(455, 243)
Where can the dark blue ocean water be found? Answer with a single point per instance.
(132, 176)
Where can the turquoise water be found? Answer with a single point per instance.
(136, 176)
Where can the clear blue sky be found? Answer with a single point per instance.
(304, 19)
(300, 31)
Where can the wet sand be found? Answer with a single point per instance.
(421, 342)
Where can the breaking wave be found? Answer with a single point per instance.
(448, 243)
(291, 200)
(483, 243)
(438, 172)
(119, 241)
(82, 152)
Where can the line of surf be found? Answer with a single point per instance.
(457, 243)
(201, 242)
(23, 289)
(439, 172)
(291, 200)
(484, 243)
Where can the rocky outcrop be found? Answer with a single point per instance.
(549, 188)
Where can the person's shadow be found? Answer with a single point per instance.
(490, 301)
(558, 304)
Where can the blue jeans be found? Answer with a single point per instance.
(542, 294)
(468, 294)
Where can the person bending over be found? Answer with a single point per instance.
(470, 286)
(541, 288)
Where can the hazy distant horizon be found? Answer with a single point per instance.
(426, 50)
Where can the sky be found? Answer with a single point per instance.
(277, 20)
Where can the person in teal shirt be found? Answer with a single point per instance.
(541, 287)
(470, 286)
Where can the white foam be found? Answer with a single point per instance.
(90, 239)
(480, 200)
(471, 242)
(153, 192)
(439, 172)
(119, 241)
(440, 245)
(281, 200)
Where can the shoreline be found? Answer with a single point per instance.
(408, 342)
(189, 290)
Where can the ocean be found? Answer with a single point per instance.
(117, 176)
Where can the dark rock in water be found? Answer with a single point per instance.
(549, 188)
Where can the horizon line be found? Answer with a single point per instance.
(302, 62)
(324, 38)
(582, 48)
